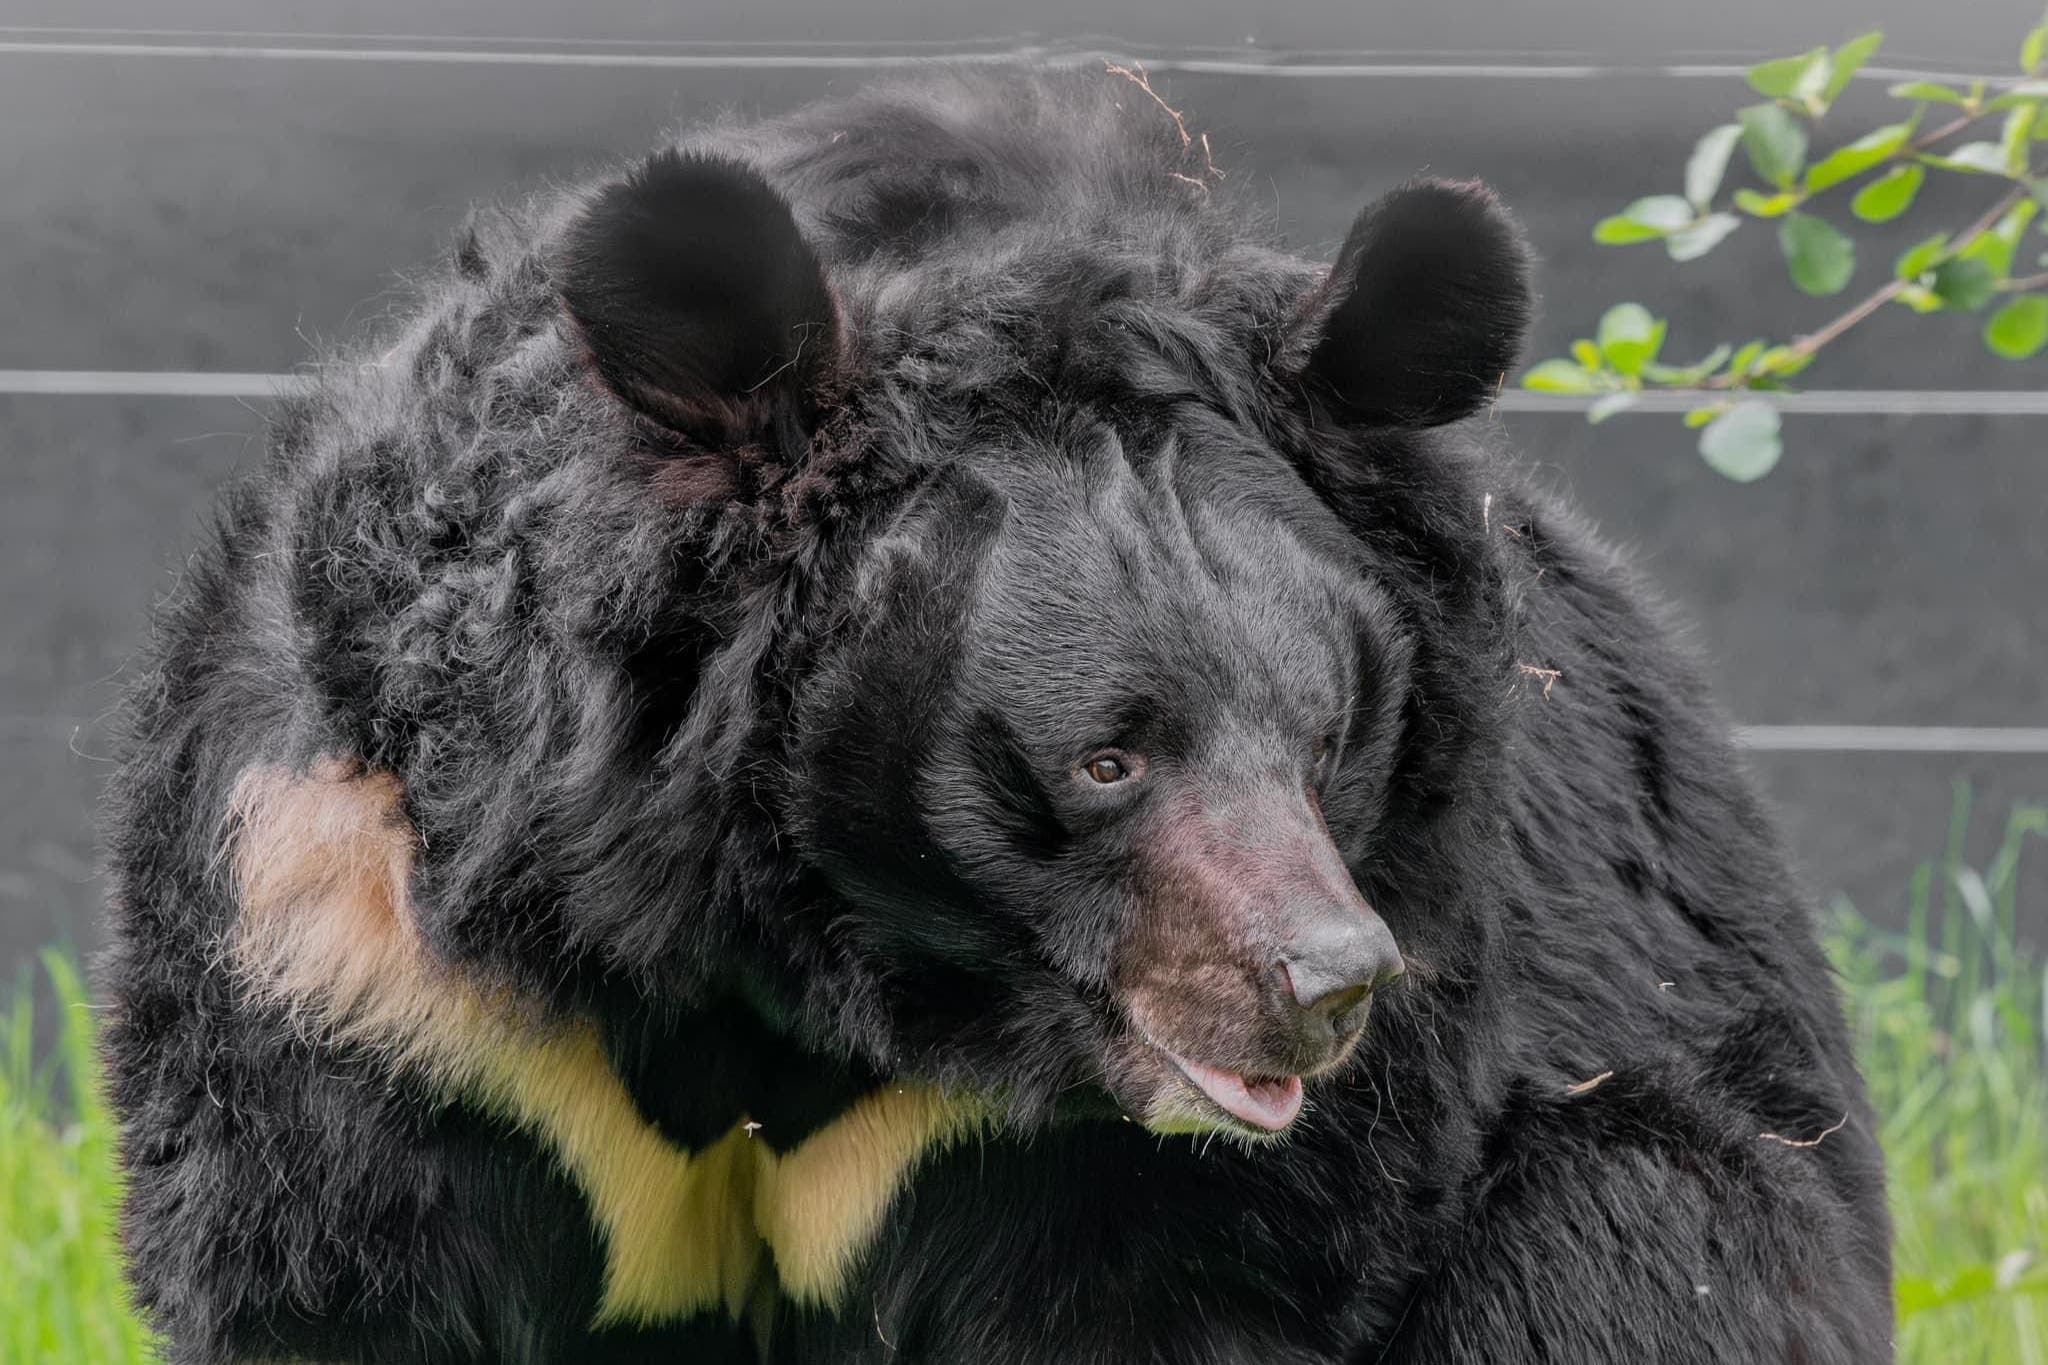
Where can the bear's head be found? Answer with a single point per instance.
(1103, 716)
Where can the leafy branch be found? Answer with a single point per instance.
(1960, 271)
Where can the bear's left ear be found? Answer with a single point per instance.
(700, 301)
(1425, 309)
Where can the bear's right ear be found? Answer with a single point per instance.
(700, 301)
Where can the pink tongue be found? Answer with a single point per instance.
(1270, 1105)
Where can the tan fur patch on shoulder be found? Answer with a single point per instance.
(321, 862)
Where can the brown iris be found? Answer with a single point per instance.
(1107, 769)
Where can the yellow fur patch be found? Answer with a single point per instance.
(322, 863)
(820, 1205)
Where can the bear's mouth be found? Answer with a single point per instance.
(1266, 1104)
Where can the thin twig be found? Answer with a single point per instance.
(1143, 81)
(1549, 676)
(2024, 283)
(1137, 75)
(1590, 1084)
(1813, 341)
(1813, 1141)
(1947, 130)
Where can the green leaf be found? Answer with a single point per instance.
(1888, 196)
(1779, 78)
(1620, 231)
(1712, 361)
(1920, 259)
(1846, 163)
(1745, 358)
(1666, 211)
(2012, 140)
(1624, 322)
(1810, 89)
(1964, 286)
(1742, 443)
(2034, 51)
(1561, 376)
(1927, 91)
(1775, 142)
(2013, 96)
(1686, 376)
(1782, 362)
(1996, 247)
(2014, 225)
(1695, 240)
(1709, 162)
(1645, 220)
(1848, 59)
(1991, 253)
(1978, 158)
(1587, 354)
(1767, 205)
(2019, 330)
(1604, 408)
(1820, 258)
(1699, 417)
(1630, 338)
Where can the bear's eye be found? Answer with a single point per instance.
(1107, 768)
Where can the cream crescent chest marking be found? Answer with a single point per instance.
(321, 863)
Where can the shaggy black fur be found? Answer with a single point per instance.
(755, 739)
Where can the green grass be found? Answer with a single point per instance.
(1949, 1020)
(61, 1295)
(1950, 1026)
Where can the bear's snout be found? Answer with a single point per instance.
(1250, 954)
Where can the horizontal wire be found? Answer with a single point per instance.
(1393, 65)
(1814, 403)
(1995, 740)
(1893, 739)
(151, 383)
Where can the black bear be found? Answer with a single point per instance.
(892, 737)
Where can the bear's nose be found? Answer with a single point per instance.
(1336, 958)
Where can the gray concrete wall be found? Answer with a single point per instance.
(171, 212)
